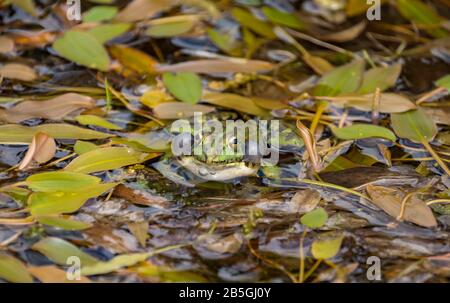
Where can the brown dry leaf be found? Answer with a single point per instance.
(219, 66)
(18, 71)
(33, 38)
(54, 109)
(41, 150)
(52, 274)
(177, 110)
(305, 200)
(390, 200)
(6, 45)
(140, 231)
(440, 115)
(347, 34)
(142, 9)
(133, 59)
(318, 64)
(140, 197)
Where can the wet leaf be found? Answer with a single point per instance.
(143, 9)
(283, 18)
(55, 108)
(140, 231)
(219, 66)
(380, 77)
(60, 181)
(415, 125)
(390, 200)
(224, 41)
(6, 45)
(114, 264)
(63, 223)
(171, 26)
(346, 35)
(326, 248)
(133, 59)
(52, 274)
(105, 159)
(82, 147)
(177, 110)
(315, 219)
(53, 203)
(82, 48)
(41, 150)
(27, 5)
(18, 71)
(106, 32)
(185, 86)
(362, 131)
(233, 101)
(444, 82)
(59, 251)
(249, 21)
(97, 121)
(100, 13)
(343, 79)
(13, 270)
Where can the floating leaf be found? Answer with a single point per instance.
(171, 26)
(97, 121)
(380, 77)
(82, 48)
(362, 131)
(219, 66)
(177, 110)
(225, 41)
(64, 223)
(18, 71)
(105, 159)
(282, 18)
(246, 19)
(114, 264)
(185, 86)
(13, 270)
(142, 9)
(415, 125)
(326, 248)
(106, 32)
(100, 13)
(53, 203)
(315, 219)
(133, 59)
(444, 82)
(13, 133)
(52, 274)
(41, 150)
(60, 181)
(346, 35)
(343, 79)
(390, 200)
(6, 45)
(233, 101)
(59, 251)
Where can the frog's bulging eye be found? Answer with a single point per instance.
(232, 142)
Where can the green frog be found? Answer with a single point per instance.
(222, 148)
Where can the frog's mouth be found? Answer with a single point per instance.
(220, 170)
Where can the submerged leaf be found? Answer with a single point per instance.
(380, 77)
(97, 121)
(343, 79)
(63, 223)
(233, 101)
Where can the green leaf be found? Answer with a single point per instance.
(64, 223)
(15, 133)
(105, 159)
(53, 203)
(27, 5)
(224, 41)
(326, 248)
(444, 82)
(415, 125)
(106, 32)
(381, 77)
(60, 181)
(82, 48)
(282, 18)
(233, 101)
(59, 251)
(100, 13)
(343, 79)
(418, 12)
(185, 86)
(114, 264)
(97, 121)
(171, 26)
(13, 270)
(82, 147)
(362, 131)
(249, 21)
(315, 219)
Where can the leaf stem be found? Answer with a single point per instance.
(436, 157)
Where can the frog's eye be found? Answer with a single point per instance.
(232, 142)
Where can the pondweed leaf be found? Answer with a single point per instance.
(246, 19)
(82, 48)
(177, 110)
(114, 264)
(105, 159)
(211, 66)
(13, 270)
(185, 86)
(326, 248)
(444, 82)
(18, 71)
(106, 32)
(53, 203)
(142, 9)
(59, 251)
(282, 18)
(63, 223)
(362, 131)
(171, 26)
(133, 59)
(380, 77)
(62, 181)
(97, 121)
(315, 218)
(82, 147)
(14, 133)
(100, 13)
(343, 79)
(233, 101)
(415, 125)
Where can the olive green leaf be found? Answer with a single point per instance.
(343, 79)
(380, 77)
(64, 223)
(315, 218)
(13, 270)
(326, 248)
(60, 181)
(185, 86)
(97, 121)
(100, 13)
(106, 32)
(415, 125)
(362, 131)
(282, 18)
(444, 82)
